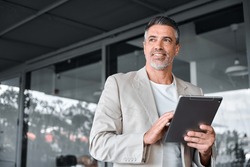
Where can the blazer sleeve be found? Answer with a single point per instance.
(197, 163)
(107, 141)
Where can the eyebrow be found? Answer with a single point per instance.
(165, 37)
(152, 36)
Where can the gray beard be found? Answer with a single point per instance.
(158, 67)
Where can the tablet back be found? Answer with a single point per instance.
(191, 111)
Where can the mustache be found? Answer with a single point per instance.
(158, 52)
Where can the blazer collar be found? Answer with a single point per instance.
(143, 90)
(181, 87)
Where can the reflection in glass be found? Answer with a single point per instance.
(232, 124)
(60, 101)
(9, 95)
(57, 126)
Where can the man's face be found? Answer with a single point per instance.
(160, 46)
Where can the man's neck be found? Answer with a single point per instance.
(160, 76)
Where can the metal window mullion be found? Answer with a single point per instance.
(246, 12)
(20, 121)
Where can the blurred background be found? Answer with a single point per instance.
(55, 56)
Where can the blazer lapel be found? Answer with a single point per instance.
(180, 87)
(142, 88)
(186, 156)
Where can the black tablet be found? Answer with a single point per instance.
(191, 111)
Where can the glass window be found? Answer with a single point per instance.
(221, 69)
(9, 96)
(218, 59)
(59, 108)
(232, 124)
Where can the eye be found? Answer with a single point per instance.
(151, 39)
(168, 40)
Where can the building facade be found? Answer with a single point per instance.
(47, 105)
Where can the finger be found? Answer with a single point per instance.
(207, 128)
(195, 134)
(168, 114)
(195, 140)
(163, 120)
(200, 147)
(195, 145)
(158, 129)
(166, 118)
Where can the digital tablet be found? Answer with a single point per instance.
(191, 111)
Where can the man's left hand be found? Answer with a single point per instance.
(202, 141)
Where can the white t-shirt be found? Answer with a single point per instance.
(166, 99)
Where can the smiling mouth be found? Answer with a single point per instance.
(159, 54)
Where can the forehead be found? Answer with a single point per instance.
(161, 30)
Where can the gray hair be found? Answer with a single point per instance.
(163, 20)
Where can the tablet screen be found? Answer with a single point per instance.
(191, 111)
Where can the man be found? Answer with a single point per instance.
(135, 109)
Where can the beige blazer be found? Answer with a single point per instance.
(126, 110)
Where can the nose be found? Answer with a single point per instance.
(158, 45)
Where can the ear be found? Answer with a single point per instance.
(177, 49)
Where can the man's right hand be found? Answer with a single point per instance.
(159, 128)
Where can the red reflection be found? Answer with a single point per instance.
(31, 136)
(49, 138)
